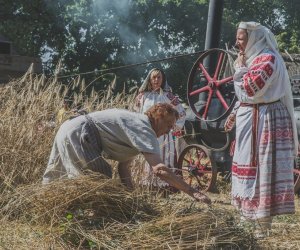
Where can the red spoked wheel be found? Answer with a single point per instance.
(197, 168)
(210, 90)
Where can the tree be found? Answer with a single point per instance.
(30, 25)
(289, 39)
(281, 17)
(102, 34)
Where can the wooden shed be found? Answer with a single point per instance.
(13, 65)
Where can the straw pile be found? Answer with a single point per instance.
(88, 197)
(100, 211)
(204, 229)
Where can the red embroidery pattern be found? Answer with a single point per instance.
(267, 201)
(247, 87)
(279, 134)
(258, 81)
(258, 74)
(243, 171)
(264, 58)
(268, 70)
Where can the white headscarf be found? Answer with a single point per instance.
(164, 86)
(261, 38)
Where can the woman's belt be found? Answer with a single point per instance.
(243, 104)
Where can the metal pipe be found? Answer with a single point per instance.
(214, 21)
(212, 40)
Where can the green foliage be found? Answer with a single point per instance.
(99, 34)
(69, 216)
(178, 2)
(288, 42)
(280, 16)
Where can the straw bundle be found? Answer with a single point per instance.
(85, 198)
(191, 231)
(201, 229)
(198, 230)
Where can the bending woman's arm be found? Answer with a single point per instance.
(166, 174)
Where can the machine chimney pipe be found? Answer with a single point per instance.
(214, 21)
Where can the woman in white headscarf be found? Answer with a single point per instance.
(266, 136)
(155, 89)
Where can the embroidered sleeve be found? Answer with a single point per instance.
(258, 74)
(181, 120)
(174, 100)
(139, 100)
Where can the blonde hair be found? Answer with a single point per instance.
(155, 72)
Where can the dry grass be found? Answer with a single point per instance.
(28, 104)
(91, 197)
(93, 212)
(285, 232)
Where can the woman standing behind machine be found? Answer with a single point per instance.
(155, 89)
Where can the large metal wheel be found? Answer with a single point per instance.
(210, 90)
(197, 168)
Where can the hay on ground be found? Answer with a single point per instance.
(92, 197)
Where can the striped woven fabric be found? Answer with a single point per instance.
(265, 189)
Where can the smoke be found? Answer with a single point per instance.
(120, 7)
(122, 32)
(130, 26)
